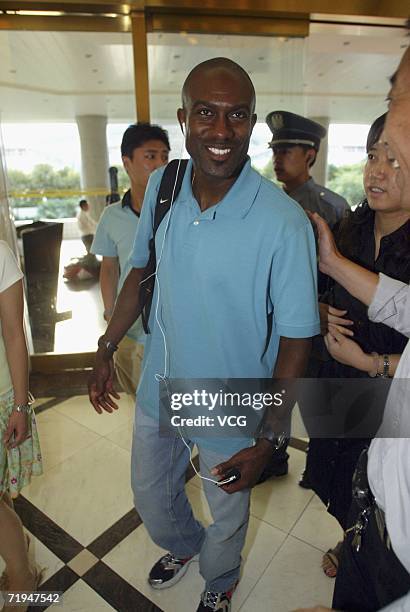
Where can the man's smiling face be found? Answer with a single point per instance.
(219, 117)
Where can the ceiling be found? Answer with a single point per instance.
(339, 72)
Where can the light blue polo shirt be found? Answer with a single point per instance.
(114, 237)
(233, 279)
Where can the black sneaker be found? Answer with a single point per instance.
(167, 571)
(216, 601)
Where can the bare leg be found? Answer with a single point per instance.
(13, 549)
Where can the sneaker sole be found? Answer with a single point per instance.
(175, 579)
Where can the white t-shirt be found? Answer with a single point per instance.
(9, 274)
(86, 224)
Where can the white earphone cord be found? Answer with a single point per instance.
(162, 377)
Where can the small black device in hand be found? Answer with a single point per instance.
(231, 476)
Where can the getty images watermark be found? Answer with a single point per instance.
(304, 407)
(218, 403)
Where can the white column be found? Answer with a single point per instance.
(319, 170)
(94, 159)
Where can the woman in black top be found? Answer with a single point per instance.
(377, 236)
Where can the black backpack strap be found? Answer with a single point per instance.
(169, 189)
(166, 189)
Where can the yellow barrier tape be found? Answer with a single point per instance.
(60, 193)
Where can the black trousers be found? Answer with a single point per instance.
(369, 579)
(330, 465)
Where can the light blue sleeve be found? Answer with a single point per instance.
(293, 286)
(103, 244)
(140, 251)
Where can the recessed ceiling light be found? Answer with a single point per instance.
(346, 43)
(339, 61)
(261, 58)
(100, 82)
(177, 56)
(95, 69)
(320, 74)
(88, 55)
(12, 71)
(173, 71)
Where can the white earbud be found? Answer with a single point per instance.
(183, 128)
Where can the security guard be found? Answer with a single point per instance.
(295, 144)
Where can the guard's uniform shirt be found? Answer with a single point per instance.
(315, 198)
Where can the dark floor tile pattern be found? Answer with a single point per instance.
(59, 384)
(64, 546)
(115, 534)
(107, 583)
(298, 444)
(114, 589)
(54, 401)
(60, 581)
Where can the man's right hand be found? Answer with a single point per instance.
(101, 385)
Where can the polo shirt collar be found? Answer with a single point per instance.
(126, 202)
(237, 201)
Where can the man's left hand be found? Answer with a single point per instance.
(249, 461)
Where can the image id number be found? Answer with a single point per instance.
(32, 598)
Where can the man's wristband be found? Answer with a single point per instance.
(107, 345)
(275, 440)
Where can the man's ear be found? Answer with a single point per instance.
(311, 157)
(181, 114)
(125, 161)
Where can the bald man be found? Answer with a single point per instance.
(235, 297)
(374, 571)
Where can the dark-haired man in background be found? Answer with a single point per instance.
(144, 148)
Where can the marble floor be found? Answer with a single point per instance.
(94, 547)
